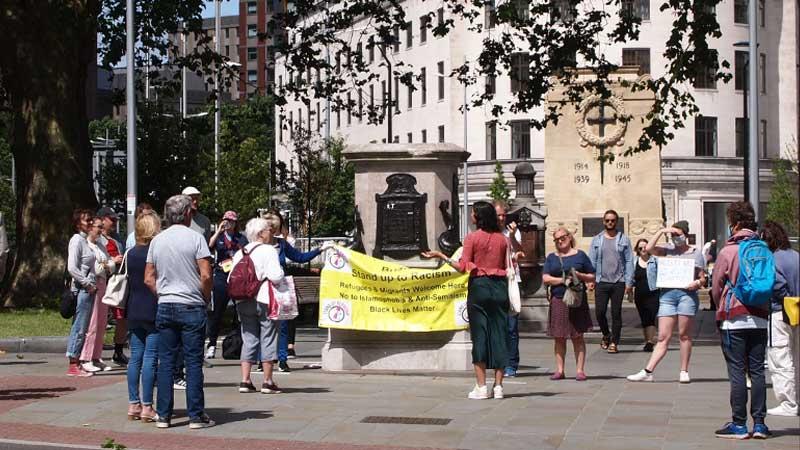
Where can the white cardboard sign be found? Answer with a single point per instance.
(675, 273)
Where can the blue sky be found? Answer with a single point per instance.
(229, 8)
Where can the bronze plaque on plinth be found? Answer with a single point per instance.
(401, 232)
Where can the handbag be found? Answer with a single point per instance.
(282, 299)
(117, 286)
(232, 345)
(69, 298)
(791, 310)
(573, 295)
(514, 300)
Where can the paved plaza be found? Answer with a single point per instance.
(327, 411)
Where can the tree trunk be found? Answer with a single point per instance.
(43, 70)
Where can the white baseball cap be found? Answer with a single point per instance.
(190, 190)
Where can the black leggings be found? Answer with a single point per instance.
(603, 293)
(647, 306)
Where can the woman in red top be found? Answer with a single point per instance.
(484, 257)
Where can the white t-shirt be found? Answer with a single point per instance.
(267, 265)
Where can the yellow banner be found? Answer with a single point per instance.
(358, 292)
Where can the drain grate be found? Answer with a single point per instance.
(406, 420)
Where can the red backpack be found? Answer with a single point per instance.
(243, 283)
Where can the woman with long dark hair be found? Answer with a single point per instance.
(646, 300)
(484, 257)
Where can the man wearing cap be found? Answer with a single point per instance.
(225, 242)
(200, 222)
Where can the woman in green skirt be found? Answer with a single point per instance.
(484, 256)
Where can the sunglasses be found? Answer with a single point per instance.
(560, 238)
(610, 220)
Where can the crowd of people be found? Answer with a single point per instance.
(179, 276)
(177, 298)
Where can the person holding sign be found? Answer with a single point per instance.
(566, 322)
(484, 257)
(678, 301)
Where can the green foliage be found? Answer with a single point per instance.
(783, 200)
(498, 190)
(321, 189)
(8, 201)
(110, 443)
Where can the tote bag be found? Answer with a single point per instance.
(283, 299)
(117, 286)
(514, 300)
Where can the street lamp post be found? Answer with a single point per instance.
(753, 124)
(217, 104)
(130, 98)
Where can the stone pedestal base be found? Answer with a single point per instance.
(437, 351)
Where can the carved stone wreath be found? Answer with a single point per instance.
(582, 125)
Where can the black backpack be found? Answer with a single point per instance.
(232, 345)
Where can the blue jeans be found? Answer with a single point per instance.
(181, 328)
(283, 341)
(80, 323)
(143, 361)
(513, 334)
(744, 352)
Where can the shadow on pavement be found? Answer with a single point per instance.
(786, 432)
(226, 415)
(33, 393)
(531, 394)
(16, 363)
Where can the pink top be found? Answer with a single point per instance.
(484, 254)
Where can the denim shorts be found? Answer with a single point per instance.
(677, 302)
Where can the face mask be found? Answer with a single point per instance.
(679, 240)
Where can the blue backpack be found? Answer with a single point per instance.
(756, 273)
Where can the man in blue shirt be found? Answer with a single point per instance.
(610, 253)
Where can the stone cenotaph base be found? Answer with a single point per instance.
(405, 195)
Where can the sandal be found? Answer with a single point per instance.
(135, 414)
(149, 419)
(612, 348)
(557, 376)
(604, 343)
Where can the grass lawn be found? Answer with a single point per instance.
(33, 322)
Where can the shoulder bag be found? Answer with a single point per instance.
(573, 295)
(69, 298)
(514, 300)
(117, 286)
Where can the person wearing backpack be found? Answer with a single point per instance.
(743, 278)
(254, 266)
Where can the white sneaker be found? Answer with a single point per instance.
(684, 377)
(101, 365)
(179, 384)
(781, 410)
(498, 391)
(211, 352)
(479, 393)
(89, 367)
(641, 375)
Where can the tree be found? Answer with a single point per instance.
(783, 201)
(550, 35)
(498, 190)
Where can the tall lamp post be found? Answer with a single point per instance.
(218, 50)
(130, 98)
(753, 124)
(747, 149)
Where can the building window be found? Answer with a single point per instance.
(360, 105)
(520, 63)
(338, 63)
(705, 78)
(228, 50)
(762, 137)
(522, 9)
(319, 117)
(705, 136)
(410, 97)
(372, 97)
(639, 9)
(423, 29)
(491, 140)
(384, 98)
(280, 129)
(409, 137)
(227, 33)
(396, 96)
(490, 14)
(741, 137)
(740, 11)
(740, 70)
(270, 6)
(396, 139)
(371, 50)
(762, 13)
(440, 85)
(349, 107)
(423, 86)
(563, 9)
(762, 73)
(440, 17)
(252, 30)
(409, 35)
(520, 139)
(441, 133)
(490, 84)
(396, 39)
(637, 57)
(424, 136)
(252, 8)
(338, 116)
(291, 125)
(252, 76)
(252, 53)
